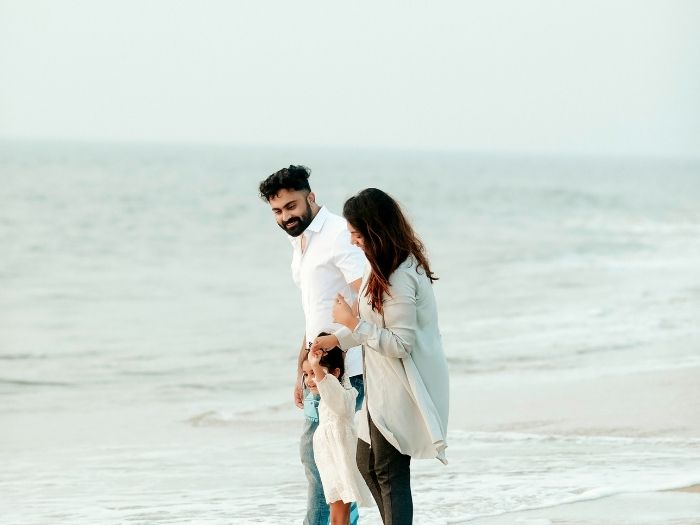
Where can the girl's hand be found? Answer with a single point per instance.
(315, 356)
(323, 342)
(343, 314)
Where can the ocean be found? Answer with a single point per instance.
(149, 325)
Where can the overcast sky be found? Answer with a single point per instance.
(609, 77)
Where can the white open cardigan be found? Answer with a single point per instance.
(406, 377)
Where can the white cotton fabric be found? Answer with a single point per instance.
(325, 268)
(406, 377)
(335, 443)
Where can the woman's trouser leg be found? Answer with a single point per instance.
(387, 473)
(365, 464)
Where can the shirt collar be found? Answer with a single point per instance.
(318, 221)
(315, 225)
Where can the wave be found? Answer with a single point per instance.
(539, 471)
(31, 383)
(20, 357)
(522, 437)
(218, 418)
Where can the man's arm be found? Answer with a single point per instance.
(298, 392)
(355, 285)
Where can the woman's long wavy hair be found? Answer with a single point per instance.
(388, 240)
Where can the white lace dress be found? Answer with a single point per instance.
(335, 443)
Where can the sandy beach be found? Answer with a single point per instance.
(693, 489)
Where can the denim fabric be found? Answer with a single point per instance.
(358, 383)
(317, 511)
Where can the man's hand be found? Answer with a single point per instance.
(298, 395)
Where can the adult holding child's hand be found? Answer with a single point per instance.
(324, 342)
(315, 356)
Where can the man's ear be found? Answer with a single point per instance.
(311, 197)
(336, 373)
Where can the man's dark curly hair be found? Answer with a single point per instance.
(293, 178)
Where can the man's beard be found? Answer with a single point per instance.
(300, 223)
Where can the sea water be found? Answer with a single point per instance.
(149, 324)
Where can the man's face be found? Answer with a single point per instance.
(292, 210)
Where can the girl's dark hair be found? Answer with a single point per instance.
(333, 358)
(292, 178)
(388, 239)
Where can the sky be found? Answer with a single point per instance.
(535, 76)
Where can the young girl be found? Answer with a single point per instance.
(335, 439)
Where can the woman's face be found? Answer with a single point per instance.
(356, 237)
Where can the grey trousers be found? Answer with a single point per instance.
(387, 473)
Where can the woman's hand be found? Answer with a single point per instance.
(323, 342)
(343, 314)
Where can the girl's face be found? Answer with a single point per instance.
(309, 377)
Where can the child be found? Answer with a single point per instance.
(335, 439)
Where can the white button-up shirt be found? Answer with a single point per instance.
(325, 268)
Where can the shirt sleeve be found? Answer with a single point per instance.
(399, 336)
(347, 258)
(335, 396)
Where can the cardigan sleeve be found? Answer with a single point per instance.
(347, 338)
(398, 336)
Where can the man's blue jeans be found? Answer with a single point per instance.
(317, 511)
(358, 383)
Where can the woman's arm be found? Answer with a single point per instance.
(398, 336)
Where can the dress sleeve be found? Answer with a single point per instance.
(334, 395)
(399, 335)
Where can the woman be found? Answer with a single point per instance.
(404, 414)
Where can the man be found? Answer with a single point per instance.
(324, 263)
